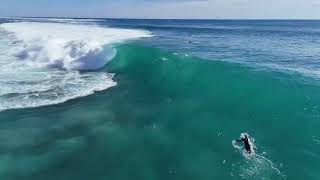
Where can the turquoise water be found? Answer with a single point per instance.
(170, 116)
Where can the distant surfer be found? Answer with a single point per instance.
(247, 143)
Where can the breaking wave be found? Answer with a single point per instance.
(50, 63)
(71, 47)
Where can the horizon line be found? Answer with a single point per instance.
(124, 18)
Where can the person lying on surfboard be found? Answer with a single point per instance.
(246, 141)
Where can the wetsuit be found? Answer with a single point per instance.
(246, 144)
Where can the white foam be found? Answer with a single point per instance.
(55, 88)
(42, 63)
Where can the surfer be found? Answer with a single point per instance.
(246, 141)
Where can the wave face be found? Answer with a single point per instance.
(198, 100)
(43, 63)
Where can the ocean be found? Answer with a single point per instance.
(122, 99)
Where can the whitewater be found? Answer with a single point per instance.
(50, 63)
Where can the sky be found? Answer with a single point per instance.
(164, 9)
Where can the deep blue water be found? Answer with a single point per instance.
(285, 45)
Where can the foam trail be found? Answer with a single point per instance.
(269, 161)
